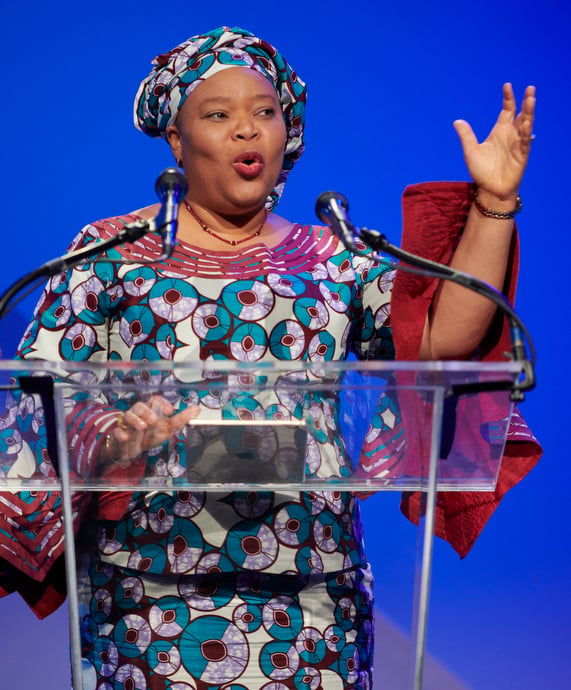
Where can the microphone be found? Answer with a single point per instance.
(171, 186)
(332, 208)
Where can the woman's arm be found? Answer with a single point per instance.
(459, 319)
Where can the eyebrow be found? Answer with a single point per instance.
(227, 99)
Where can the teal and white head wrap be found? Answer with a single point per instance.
(179, 72)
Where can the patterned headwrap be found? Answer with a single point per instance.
(179, 72)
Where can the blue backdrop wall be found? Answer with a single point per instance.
(385, 83)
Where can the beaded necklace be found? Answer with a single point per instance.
(218, 237)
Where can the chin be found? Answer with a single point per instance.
(248, 203)
(252, 192)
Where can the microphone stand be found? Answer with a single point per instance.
(432, 269)
(170, 186)
(130, 233)
(333, 209)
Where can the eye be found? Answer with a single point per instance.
(267, 112)
(216, 115)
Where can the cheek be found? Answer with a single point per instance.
(280, 138)
(283, 135)
(204, 143)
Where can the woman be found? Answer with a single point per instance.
(179, 590)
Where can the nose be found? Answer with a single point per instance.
(246, 128)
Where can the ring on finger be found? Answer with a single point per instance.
(121, 421)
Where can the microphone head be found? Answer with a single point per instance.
(171, 180)
(323, 204)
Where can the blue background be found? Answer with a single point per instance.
(385, 84)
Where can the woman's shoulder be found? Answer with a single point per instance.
(103, 228)
(145, 213)
(112, 224)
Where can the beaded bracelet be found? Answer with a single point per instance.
(498, 215)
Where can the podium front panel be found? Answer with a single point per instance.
(362, 426)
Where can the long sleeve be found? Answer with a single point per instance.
(70, 323)
(433, 217)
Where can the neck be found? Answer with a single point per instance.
(230, 230)
(238, 224)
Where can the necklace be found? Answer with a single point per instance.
(218, 237)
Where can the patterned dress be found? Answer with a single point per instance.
(206, 589)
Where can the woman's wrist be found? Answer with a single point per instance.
(112, 451)
(490, 205)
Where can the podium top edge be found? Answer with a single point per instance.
(261, 368)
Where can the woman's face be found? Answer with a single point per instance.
(230, 135)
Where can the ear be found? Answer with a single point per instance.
(174, 140)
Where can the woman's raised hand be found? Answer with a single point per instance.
(497, 164)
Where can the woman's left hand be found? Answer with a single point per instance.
(498, 163)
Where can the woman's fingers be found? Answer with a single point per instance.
(146, 425)
(524, 121)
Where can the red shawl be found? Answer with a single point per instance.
(434, 215)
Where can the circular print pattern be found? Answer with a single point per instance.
(105, 657)
(85, 301)
(249, 342)
(311, 646)
(311, 313)
(129, 593)
(139, 281)
(211, 322)
(132, 636)
(252, 545)
(282, 618)
(336, 295)
(214, 650)
(136, 324)
(249, 300)
(287, 340)
(292, 525)
(163, 658)
(286, 286)
(321, 347)
(248, 617)
(279, 660)
(173, 299)
(204, 594)
(169, 616)
(78, 343)
(58, 314)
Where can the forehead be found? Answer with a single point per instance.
(232, 83)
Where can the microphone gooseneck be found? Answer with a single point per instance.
(171, 186)
(332, 208)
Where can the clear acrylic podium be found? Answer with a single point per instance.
(327, 426)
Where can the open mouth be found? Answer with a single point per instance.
(248, 164)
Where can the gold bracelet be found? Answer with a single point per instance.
(498, 215)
